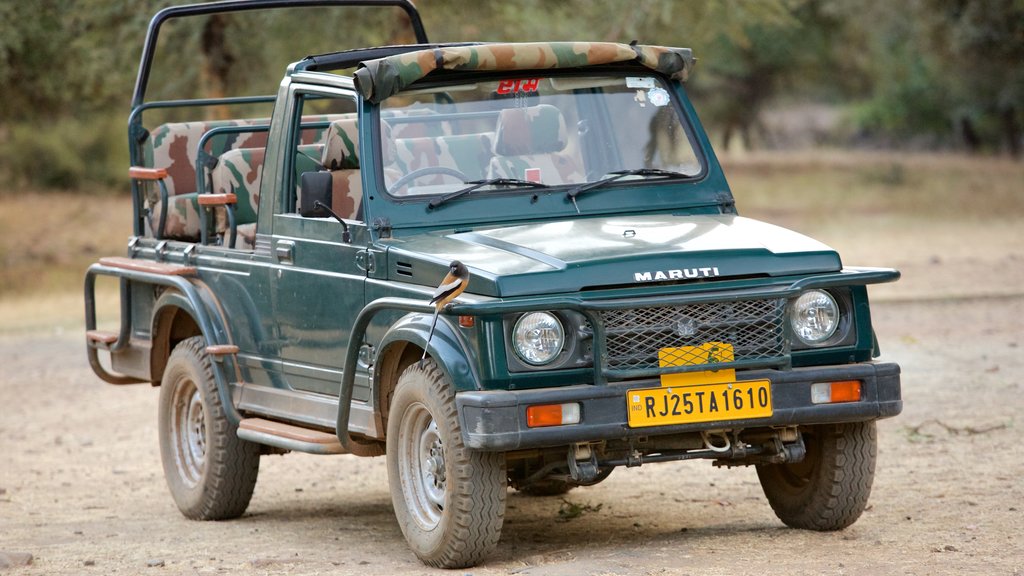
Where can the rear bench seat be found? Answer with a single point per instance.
(174, 147)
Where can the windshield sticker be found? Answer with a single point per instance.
(658, 96)
(517, 86)
(640, 97)
(532, 174)
(645, 83)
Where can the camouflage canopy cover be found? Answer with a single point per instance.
(384, 77)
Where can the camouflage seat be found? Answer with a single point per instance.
(175, 147)
(341, 158)
(240, 172)
(467, 153)
(414, 123)
(533, 138)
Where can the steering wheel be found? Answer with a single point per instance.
(427, 171)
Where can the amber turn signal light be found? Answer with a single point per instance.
(552, 414)
(835, 392)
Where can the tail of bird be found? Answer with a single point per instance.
(430, 334)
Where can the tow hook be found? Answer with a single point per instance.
(723, 445)
(582, 463)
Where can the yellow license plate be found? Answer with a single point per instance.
(699, 403)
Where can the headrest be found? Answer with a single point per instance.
(534, 130)
(341, 145)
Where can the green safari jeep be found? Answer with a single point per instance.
(494, 264)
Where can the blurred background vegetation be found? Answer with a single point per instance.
(918, 75)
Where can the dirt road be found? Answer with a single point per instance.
(81, 488)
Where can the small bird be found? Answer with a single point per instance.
(454, 283)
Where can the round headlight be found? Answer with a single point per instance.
(538, 338)
(814, 317)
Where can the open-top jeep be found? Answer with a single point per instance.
(610, 308)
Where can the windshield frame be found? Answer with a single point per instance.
(706, 188)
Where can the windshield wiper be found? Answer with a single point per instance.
(477, 184)
(618, 175)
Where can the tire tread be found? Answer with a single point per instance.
(478, 506)
(227, 487)
(838, 489)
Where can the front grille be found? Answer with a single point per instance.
(754, 329)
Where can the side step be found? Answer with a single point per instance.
(101, 338)
(289, 436)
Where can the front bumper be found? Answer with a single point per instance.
(495, 420)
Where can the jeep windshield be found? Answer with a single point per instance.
(509, 134)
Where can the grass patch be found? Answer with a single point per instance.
(571, 510)
(834, 185)
(47, 240)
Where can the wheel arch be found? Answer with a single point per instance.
(403, 346)
(173, 321)
(177, 316)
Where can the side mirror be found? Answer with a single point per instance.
(316, 190)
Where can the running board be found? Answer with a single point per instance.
(289, 436)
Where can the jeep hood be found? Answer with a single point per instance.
(573, 255)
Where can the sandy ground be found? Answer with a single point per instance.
(82, 490)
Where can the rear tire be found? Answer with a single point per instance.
(829, 489)
(449, 500)
(211, 473)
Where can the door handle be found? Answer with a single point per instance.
(285, 250)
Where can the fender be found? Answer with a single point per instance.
(348, 376)
(447, 347)
(201, 305)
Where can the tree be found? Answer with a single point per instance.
(983, 42)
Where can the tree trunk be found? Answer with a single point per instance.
(970, 135)
(217, 62)
(1012, 131)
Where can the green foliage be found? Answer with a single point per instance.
(67, 154)
(27, 30)
(908, 99)
(571, 510)
(951, 70)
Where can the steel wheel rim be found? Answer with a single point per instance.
(421, 464)
(188, 429)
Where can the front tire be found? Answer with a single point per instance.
(449, 500)
(829, 488)
(211, 473)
